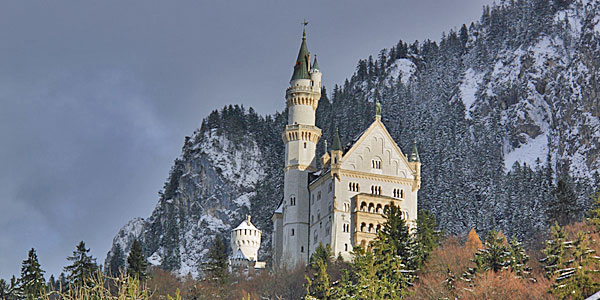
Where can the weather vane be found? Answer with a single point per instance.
(304, 23)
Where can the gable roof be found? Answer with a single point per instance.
(362, 136)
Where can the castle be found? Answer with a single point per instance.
(342, 203)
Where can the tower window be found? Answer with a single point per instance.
(302, 249)
(345, 247)
(304, 145)
(293, 200)
(292, 231)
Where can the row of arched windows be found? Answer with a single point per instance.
(302, 101)
(370, 228)
(376, 164)
(372, 208)
(398, 193)
(353, 187)
(244, 243)
(375, 190)
(246, 232)
(346, 227)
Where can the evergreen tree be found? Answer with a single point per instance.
(427, 236)
(575, 281)
(593, 215)
(33, 284)
(495, 256)
(394, 234)
(322, 253)
(555, 251)
(4, 289)
(562, 208)
(216, 269)
(519, 259)
(82, 268)
(117, 261)
(136, 262)
(319, 286)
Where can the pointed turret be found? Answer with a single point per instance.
(414, 156)
(315, 65)
(303, 61)
(415, 162)
(337, 145)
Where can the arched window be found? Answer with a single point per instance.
(370, 227)
(379, 209)
(363, 226)
(345, 247)
(292, 231)
(302, 249)
(371, 208)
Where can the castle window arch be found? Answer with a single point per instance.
(363, 226)
(379, 209)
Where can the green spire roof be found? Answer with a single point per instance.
(315, 64)
(302, 62)
(414, 156)
(337, 145)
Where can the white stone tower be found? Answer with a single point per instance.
(246, 238)
(300, 137)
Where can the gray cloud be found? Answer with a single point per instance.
(95, 98)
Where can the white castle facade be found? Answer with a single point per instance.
(342, 203)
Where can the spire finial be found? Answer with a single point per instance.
(377, 110)
(325, 145)
(248, 218)
(304, 30)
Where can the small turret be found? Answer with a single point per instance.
(336, 153)
(415, 162)
(246, 239)
(315, 73)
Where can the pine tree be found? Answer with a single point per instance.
(319, 286)
(562, 208)
(395, 234)
(575, 281)
(322, 253)
(216, 269)
(519, 259)
(136, 262)
(427, 236)
(117, 260)
(593, 215)
(33, 284)
(82, 268)
(4, 289)
(495, 256)
(555, 251)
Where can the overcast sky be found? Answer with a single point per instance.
(97, 96)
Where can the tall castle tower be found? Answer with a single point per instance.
(300, 137)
